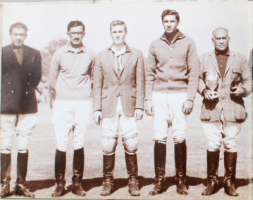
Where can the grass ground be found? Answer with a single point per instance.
(40, 177)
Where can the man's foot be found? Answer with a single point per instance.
(158, 188)
(107, 188)
(229, 188)
(77, 189)
(210, 188)
(5, 190)
(134, 187)
(181, 187)
(59, 190)
(22, 191)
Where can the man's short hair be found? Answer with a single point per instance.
(170, 12)
(220, 28)
(75, 24)
(117, 23)
(18, 25)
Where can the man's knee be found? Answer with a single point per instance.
(6, 151)
(131, 144)
(109, 145)
(230, 147)
(214, 146)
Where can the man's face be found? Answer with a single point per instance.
(18, 36)
(170, 23)
(76, 35)
(118, 34)
(221, 40)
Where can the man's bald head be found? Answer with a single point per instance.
(221, 39)
(220, 29)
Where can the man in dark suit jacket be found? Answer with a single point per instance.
(118, 98)
(21, 73)
(223, 110)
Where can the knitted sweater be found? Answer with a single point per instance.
(172, 67)
(70, 73)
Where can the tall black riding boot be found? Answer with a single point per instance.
(60, 167)
(5, 174)
(160, 160)
(132, 170)
(180, 163)
(212, 172)
(78, 166)
(20, 188)
(230, 171)
(108, 167)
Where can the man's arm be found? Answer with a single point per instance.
(244, 89)
(193, 71)
(54, 72)
(140, 87)
(149, 79)
(140, 82)
(37, 74)
(91, 68)
(193, 77)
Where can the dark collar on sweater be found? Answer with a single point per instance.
(178, 36)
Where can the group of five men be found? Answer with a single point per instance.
(121, 86)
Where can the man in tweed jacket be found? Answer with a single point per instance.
(118, 99)
(223, 109)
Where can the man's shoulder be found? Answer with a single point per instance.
(102, 53)
(135, 50)
(6, 49)
(31, 50)
(156, 41)
(205, 55)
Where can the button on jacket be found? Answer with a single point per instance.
(19, 82)
(232, 107)
(108, 85)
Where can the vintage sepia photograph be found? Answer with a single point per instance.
(126, 100)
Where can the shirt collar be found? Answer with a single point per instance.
(128, 50)
(178, 36)
(16, 47)
(227, 53)
(71, 49)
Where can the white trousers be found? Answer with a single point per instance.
(71, 116)
(168, 111)
(20, 124)
(119, 125)
(217, 131)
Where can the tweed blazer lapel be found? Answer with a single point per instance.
(214, 62)
(12, 56)
(111, 59)
(126, 59)
(229, 62)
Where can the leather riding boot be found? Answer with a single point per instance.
(60, 167)
(108, 167)
(230, 171)
(20, 188)
(132, 170)
(160, 160)
(78, 166)
(212, 172)
(180, 163)
(5, 174)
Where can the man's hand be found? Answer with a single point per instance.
(187, 107)
(52, 96)
(149, 109)
(237, 91)
(138, 114)
(209, 94)
(97, 116)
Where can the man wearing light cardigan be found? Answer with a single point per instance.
(171, 86)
